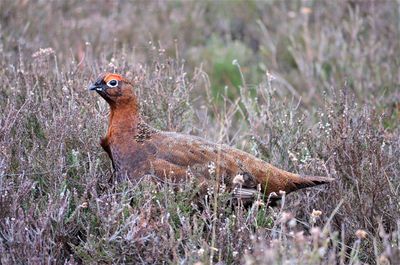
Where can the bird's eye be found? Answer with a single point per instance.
(112, 83)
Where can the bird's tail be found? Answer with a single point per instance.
(281, 181)
(296, 182)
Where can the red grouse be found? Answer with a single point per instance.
(136, 149)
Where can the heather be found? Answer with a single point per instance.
(310, 86)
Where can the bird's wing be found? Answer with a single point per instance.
(181, 154)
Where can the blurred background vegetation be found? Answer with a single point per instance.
(309, 45)
(311, 86)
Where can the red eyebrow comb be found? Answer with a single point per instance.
(111, 76)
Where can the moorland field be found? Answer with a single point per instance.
(310, 86)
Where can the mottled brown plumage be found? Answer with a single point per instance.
(136, 149)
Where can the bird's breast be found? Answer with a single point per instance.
(132, 158)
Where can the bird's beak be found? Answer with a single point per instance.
(95, 87)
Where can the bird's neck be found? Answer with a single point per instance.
(123, 119)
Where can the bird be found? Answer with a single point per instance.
(136, 149)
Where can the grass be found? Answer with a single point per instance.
(312, 87)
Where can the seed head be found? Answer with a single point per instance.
(361, 234)
(238, 179)
(316, 213)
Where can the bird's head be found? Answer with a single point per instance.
(115, 89)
